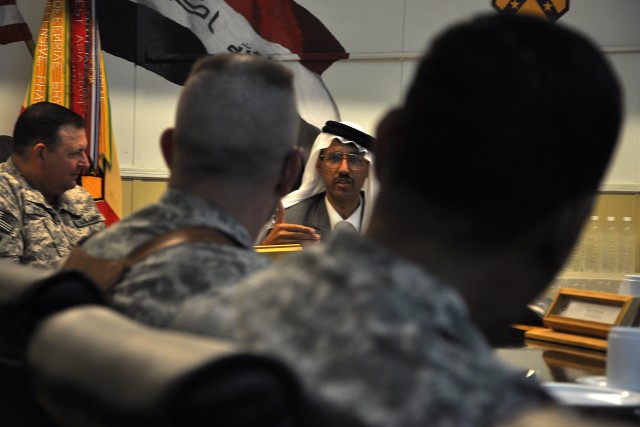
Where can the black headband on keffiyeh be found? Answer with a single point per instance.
(347, 132)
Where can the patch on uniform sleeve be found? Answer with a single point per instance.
(84, 222)
(8, 222)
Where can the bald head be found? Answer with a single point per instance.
(236, 121)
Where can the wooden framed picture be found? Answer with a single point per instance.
(590, 313)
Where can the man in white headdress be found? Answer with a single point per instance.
(338, 188)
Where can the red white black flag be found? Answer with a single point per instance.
(166, 36)
(12, 25)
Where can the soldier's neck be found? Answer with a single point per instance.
(52, 200)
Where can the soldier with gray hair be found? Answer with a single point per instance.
(230, 165)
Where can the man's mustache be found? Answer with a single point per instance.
(344, 179)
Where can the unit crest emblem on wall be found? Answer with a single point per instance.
(552, 10)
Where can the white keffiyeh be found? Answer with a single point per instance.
(313, 184)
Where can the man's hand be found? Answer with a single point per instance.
(283, 233)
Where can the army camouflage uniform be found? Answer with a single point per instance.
(152, 289)
(372, 334)
(35, 233)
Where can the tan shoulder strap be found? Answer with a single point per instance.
(176, 237)
(106, 272)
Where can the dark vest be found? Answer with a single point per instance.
(311, 212)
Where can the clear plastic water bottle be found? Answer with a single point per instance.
(576, 258)
(593, 246)
(627, 247)
(610, 246)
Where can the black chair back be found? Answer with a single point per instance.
(6, 145)
(91, 366)
(28, 295)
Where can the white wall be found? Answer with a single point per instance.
(143, 104)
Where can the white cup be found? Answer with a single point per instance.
(630, 285)
(623, 358)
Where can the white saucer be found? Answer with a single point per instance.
(597, 380)
(592, 396)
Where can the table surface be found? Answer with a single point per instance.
(554, 362)
(549, 362)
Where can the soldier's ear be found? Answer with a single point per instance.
(167, 145)
(39, 150)
(290, 171)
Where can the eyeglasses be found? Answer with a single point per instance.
(354, 160)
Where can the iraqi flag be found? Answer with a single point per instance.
(12, 25)
(166, 37)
